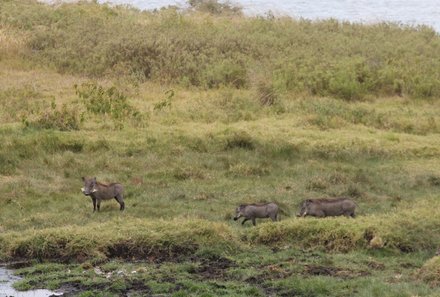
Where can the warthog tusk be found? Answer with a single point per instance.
(93, 191)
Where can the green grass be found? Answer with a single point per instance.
(254, 273)
(195, 48)
(252, 117)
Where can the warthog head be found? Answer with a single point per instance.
(238, 212)
(304, 208)
(89, 186)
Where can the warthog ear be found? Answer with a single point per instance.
(83, 178)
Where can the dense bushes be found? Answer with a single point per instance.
(344, 60)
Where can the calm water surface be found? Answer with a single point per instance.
(411, 12)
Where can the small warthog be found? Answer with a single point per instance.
(327, 207)
(253, 211)
(98, 192)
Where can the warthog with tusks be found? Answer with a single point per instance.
(98, 192)
(253, 211)
(327, 207)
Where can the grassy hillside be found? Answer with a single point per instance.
(197, 112)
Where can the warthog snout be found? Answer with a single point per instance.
(238, 213)
(87, 193)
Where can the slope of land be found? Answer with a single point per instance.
(197, 112)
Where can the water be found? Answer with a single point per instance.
(6, 289)
(410, 12)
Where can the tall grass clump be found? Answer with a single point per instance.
(20, 102)
(206, 47)
(430, 271)
(12, 43)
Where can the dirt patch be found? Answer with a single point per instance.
(16, 264)
(376, 265)
(70, 290)
(133, 287)
(275, 271)
(333, 271)
(259, 282)
(214, 267)
(408, 265)
(138, 287)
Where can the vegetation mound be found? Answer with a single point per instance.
(430, 271)
(133, 239)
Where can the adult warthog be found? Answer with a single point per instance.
(327, 207)
(254, 211)
(99, 191)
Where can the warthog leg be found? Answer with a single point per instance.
(246, 219)
(253, 222)
(120, 200)
(94, 204)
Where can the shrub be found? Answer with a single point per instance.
(165, 103)
(266, 93)
(214, 7)
(325, 58)
(109, 102)
(64, 119)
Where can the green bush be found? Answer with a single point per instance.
(64, 120)
(109, 102)
(214, 7)
(203, 47)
